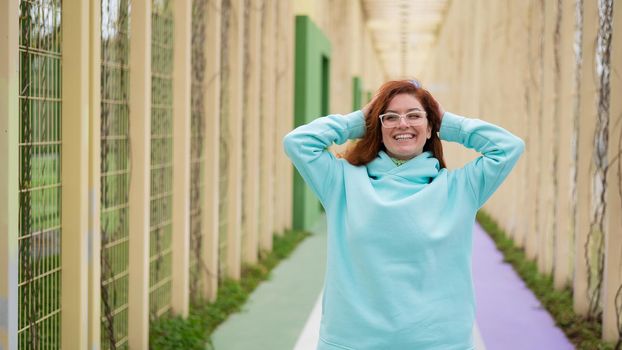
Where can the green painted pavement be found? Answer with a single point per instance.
(278, 309)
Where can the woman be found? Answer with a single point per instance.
(399, 223)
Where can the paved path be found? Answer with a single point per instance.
(284, 312)
(508, 314)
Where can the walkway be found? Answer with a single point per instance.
(284, 312)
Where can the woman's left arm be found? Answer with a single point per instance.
(500, 151)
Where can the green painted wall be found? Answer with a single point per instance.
(357, 93)
(311, 101)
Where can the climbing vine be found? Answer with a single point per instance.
(594, 245)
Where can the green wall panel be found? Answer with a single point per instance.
(357, 93)
(311, 101)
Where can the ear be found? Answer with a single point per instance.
(429, 133)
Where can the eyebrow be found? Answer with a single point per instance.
(410, 110)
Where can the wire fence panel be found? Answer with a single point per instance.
(161, 157)
(115, 166)
(39, 174)
(198, 272)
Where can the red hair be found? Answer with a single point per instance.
(366, 149)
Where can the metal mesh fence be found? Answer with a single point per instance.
(39, 174)
(115, 162)
(161, 157)
(197, 155)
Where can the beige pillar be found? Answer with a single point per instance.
(546, 209)
(288, 122)
(281, 98)
(532, 139)
(9, 129)
(140, 181)
(520, 121)
(75, 170)
(268, 69)
(587, 95)
(564, 106)
(613, 240)
(94, 257)
(251, 120)
(180, 244)
(234, 156)
(212, 149)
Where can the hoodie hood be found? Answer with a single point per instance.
(420, 170)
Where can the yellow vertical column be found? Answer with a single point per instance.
(234, 108)
(284, 115)
(281, 96)
(587, 95)
(94, 258)
(612, 286)
(9, 66)
(212, 149)
(140, 179)
(564, 102)
(288, 121)
(516, 187)
(517, 32)
(75, 170)
(531, 139)
(252, 71)
(181, 156)
(267, 127)
(546, 214)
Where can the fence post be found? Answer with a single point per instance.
(212, 150)
(288, 118)
(588, 113)
(232, 108)
(9, 66)
(267, 112)
(140, 179)
(612, 276)
(251, 75)
(74, 170)
(94, 186)
(181, 156)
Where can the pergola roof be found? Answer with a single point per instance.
(403, 31)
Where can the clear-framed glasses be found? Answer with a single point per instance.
(413, 118)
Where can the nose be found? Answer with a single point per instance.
(403, 122)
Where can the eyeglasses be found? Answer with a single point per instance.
(413, 118)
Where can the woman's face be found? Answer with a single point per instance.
(406, 141)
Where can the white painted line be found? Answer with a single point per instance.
(310, 334)
(477, 338)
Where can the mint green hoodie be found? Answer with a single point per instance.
(398, 270)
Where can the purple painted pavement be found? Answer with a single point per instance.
(508, 315)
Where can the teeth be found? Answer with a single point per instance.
(403, 137)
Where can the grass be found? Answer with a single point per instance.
(584, 334)
(194, 332)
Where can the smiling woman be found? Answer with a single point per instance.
(404, 120)
(399, 223)
(404, 136)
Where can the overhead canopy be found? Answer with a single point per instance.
(404, 31)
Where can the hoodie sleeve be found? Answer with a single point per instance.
(500, 151)
(307, 145)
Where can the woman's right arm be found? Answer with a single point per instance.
(307, 145)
